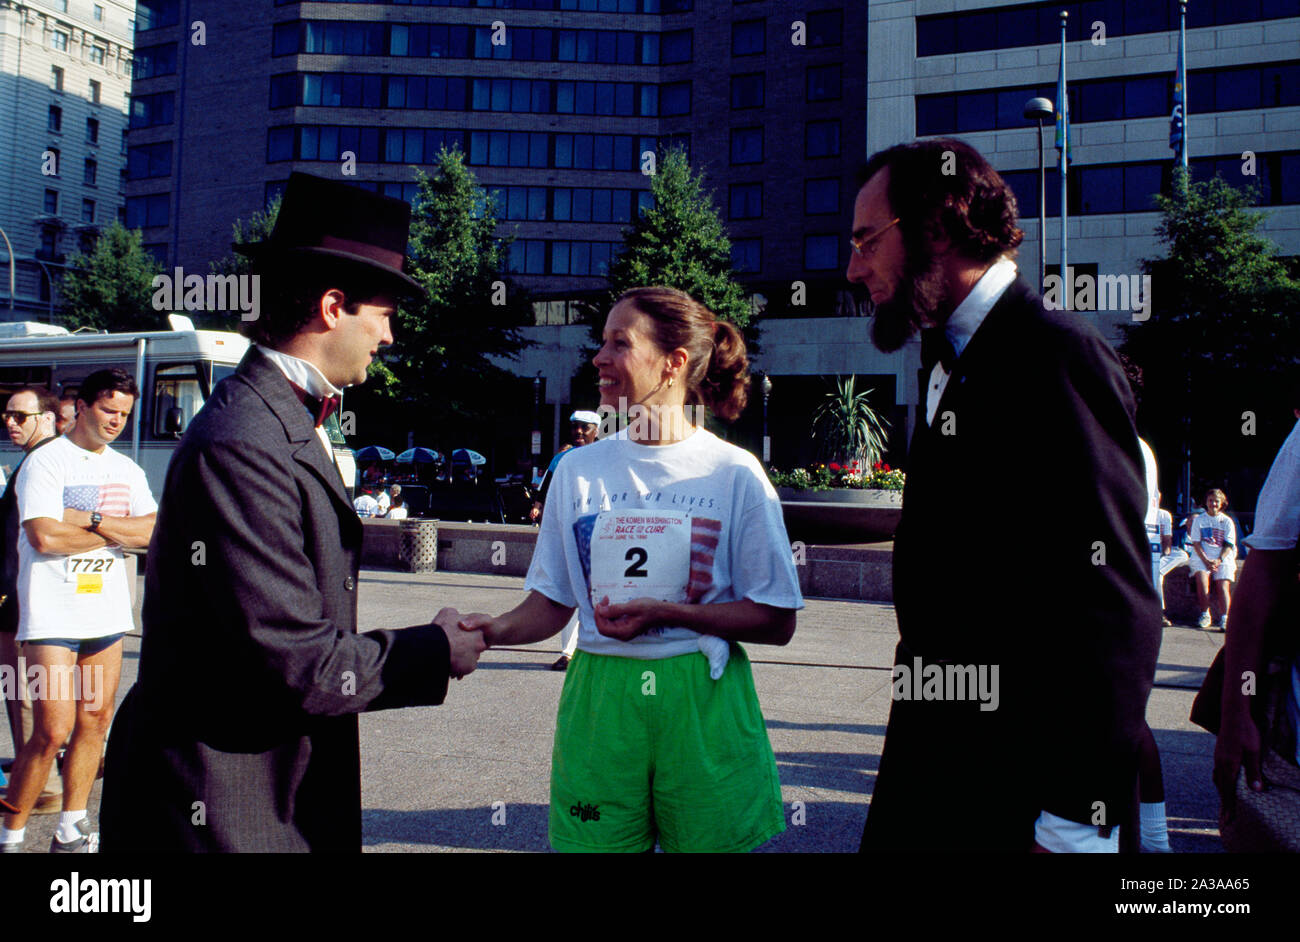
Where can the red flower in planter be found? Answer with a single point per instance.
(876, 466)
(834, 466)
(884, 467)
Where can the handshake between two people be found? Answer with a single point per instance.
(537, 619)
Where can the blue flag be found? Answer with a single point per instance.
(1063, 110)
(1177, 130)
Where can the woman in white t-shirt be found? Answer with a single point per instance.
(1212, 539)
(671, 545)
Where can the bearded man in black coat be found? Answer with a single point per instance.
(241, 732)
(1029, 626)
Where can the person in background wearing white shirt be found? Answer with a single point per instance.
(1213, 539)
(365, 503)
(29, 419)
(80, 502)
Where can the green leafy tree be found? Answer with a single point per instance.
(681, 243)
(441, 361)
(1219, 350)
(111, 287)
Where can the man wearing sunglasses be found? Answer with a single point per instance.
(1070, 636)
(29, 420)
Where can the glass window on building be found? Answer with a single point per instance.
(746, 145)
(674, 47)
(87, 210)
(99, 13)
(146, 211)
(92, 131)
(747, 255)
(1101, 189)
(822, 139)
(745, 201)
(94, 92)
(821, 195)
(748, 37)
(56, 78)
(747, 90)
(820, 252)
(97, 55)
(91, 171)
(675, 99)
(51, 202)
(55, 121)
(59, 41)
(823, 82)
(825, 27)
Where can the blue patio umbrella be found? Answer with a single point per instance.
(374, 453)
(466, 456)
(419, 456)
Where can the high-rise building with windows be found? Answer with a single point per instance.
(65, 72)
(554, 102)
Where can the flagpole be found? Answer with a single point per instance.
(1182, 71)
(1063, 104)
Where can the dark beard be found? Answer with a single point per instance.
(921, 293)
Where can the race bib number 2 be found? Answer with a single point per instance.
(86, 573)
(639, 554)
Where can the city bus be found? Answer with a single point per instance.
(175, 369)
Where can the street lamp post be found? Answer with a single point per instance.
(767, 441)
(1038, 109)
(13, 274)
(537, 420)
(49, 280)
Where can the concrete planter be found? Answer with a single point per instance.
(841, 515)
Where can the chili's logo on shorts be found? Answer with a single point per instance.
(585, 812)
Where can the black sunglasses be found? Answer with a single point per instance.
(18, 418)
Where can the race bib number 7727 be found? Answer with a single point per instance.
(87, 573)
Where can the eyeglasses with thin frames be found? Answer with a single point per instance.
(865, 247)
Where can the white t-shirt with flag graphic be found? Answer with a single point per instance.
(82, 595)
(696, 521)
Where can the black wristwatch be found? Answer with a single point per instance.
(96, 518)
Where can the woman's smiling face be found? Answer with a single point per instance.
(632, 368)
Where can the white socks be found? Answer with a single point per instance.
(12, 837)
(718, 652)
(1155, 834)
(68, 825)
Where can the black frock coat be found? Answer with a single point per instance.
(1022, 546)
(240, 733)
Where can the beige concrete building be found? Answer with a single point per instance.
(65, 74)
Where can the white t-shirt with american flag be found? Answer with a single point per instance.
(696, 521)
(83, 595)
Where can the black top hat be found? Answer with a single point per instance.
(330, 219)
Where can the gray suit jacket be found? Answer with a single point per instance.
(240, 733)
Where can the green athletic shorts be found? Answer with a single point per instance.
(656, 749)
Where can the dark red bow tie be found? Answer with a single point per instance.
(319, 409)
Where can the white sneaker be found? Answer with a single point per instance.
(1205, 620)
(1223, 623)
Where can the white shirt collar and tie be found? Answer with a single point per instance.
(307, 376)
(963, 323)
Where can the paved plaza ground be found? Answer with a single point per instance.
(434, 778)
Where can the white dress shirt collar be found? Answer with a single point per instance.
(302, 373)
(963, 323)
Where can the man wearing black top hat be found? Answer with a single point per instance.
(241, 733)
